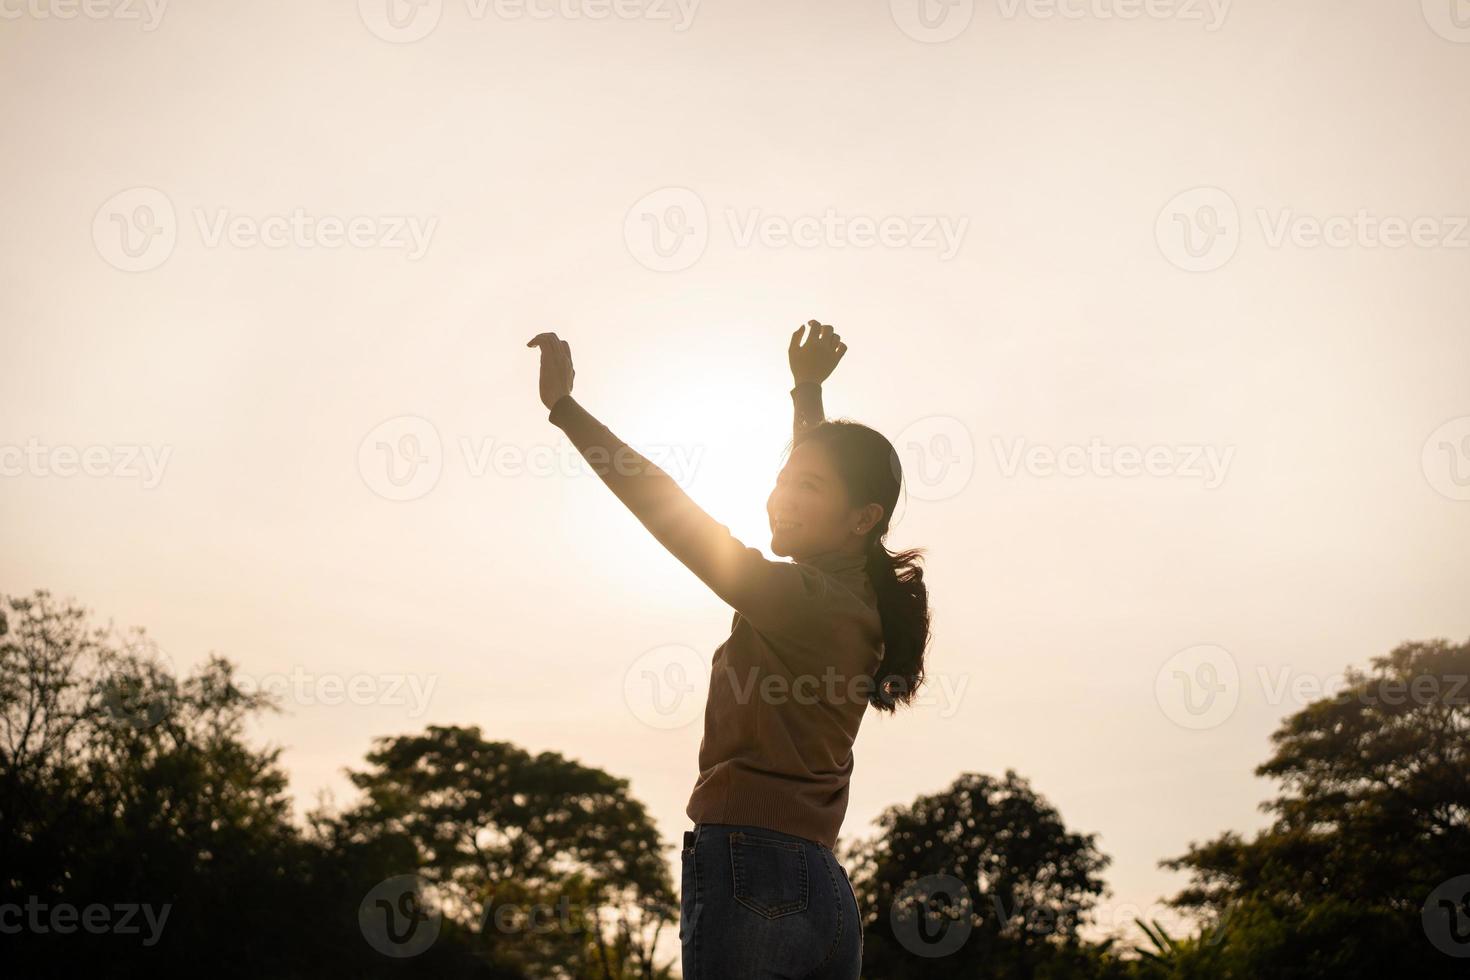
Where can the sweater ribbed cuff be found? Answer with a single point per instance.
(561, 410)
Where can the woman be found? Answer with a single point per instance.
(762, 893)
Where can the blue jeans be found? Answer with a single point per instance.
(756, 904)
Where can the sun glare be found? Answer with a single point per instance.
(722, 449)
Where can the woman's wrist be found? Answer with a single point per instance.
(563, 402)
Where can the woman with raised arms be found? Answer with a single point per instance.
(816, 639)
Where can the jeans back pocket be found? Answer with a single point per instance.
(770, 876)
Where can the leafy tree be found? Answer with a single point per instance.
(554, 865)
(124, 785)
(1028, 884)
(1373, 816)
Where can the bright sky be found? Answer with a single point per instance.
(1301, 407)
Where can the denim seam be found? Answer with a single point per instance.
(698, 903)
(837, 904)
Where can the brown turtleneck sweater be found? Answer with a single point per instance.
(788, 687)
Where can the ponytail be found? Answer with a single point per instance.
(903, 605)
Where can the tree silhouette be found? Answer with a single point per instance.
(552, 862)
(1027, 882)
(1372, 820)
(122, 784)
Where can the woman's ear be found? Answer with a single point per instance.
(868, 517)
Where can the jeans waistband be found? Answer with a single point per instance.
(725, 829)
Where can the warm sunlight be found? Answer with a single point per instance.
(722, 437)
(318, 316)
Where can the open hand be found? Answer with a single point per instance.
(817, 358)
(556, 367)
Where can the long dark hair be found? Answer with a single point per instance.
(870, 470)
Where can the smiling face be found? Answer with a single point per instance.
(809, 510)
